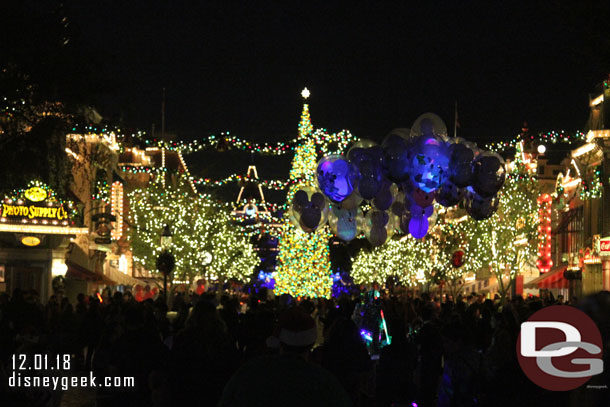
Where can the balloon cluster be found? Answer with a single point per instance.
(401, 178)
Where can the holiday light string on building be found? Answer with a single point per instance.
(116, 209)
(545, 261)
(140, 169)
(101, 191)
(592, 189)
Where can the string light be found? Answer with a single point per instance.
(549, 137)
(116, 209)
(325, 143)
(544, 262)
(594, 188)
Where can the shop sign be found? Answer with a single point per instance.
(604, 246)
(35, 204)
(12, 211)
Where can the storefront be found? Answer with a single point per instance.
(553, 281)
(36, 230)
(604, 255)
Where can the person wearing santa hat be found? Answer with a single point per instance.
(288, 378)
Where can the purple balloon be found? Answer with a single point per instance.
(378, 236)
(460, 163)
(336, 177)
(310, 218)
(418, 227)
(299, 200)
(383, 199)
(449, 194)
(489, 173)
(396, 158)
(318, 201)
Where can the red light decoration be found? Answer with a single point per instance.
(457, 260)
(544, 262)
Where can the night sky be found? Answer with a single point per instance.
(371, 66)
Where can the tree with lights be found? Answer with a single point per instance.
(508, 240)
(199, 227)
(303, 259)
(453, 255)
(407, 259)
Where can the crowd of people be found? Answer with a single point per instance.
(259, 350)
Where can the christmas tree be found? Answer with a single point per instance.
(303, 260)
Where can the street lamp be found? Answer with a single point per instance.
(166, 260)
(166, 237)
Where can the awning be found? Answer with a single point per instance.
(122, 278)
(551, 279)
(78, 272)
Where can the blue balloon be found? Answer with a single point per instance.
(384, 198)
(480, 208)
(488, 174)
(368, 164)
(344, 223)
(418, 226)
(449, 194)
(460, 163)
(396, 163)
(336, 177)
(310, 218)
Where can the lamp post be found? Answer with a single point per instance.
(166, 260)
(206, 260)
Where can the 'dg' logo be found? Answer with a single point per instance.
(560, 348)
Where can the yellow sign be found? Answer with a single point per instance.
(35, 194)
(30, 241)
(33, 211)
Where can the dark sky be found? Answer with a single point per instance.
(371, 66)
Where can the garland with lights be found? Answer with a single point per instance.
(277, 185)
(594, 188)
(325, 142)
(552, 137)
(101, 191)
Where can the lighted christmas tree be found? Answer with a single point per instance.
(303, 259)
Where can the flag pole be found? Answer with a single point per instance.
(455, 121)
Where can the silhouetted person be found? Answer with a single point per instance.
(286, 379)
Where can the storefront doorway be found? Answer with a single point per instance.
(25, 278)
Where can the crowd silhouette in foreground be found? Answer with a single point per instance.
(249, 350)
